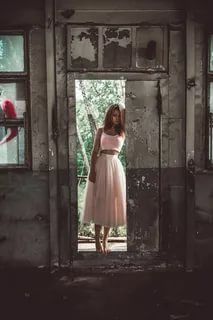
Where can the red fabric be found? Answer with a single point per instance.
(9, 110)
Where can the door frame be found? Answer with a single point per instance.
(190, 141)
(72, 134)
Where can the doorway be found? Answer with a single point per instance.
(93, 97)
(142, 160)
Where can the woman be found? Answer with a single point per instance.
(105, 197)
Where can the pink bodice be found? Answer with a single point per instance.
(109, 142)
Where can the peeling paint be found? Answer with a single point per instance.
(121, 36)
(117, 47)
(83, 49)
(83, 44)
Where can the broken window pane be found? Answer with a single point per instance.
(15, 92)
(151, 48)
(83, 48)
(117, 47)
(11, 53)
(13, 151)
(12, 131)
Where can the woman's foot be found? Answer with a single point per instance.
(105, 240)
(106, 247)
(98, 245)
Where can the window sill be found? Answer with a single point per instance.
(14, 168)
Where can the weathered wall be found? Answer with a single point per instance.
(199, 176)
(22, 13)
(24, 195)
(142, 152)
(203, 215)
(172, 223)
(155, 171)
(24, 206)
(121, 12)
(203, 220)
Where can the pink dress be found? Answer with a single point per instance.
(105, 200)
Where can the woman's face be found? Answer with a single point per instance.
(116, 117)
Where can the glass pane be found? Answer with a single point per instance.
(12, 147)
(83, 48)
(11, 53)
(211, 54)
(151, 48)
(117, 47)
(12, 100)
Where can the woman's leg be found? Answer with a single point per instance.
(105, 238)
(98, 245)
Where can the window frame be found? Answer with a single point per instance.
(14, 77)
(134, 28)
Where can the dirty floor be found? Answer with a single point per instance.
(147, 295)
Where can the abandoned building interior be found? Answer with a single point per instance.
(162, 53)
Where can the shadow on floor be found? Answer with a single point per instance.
(163, 295)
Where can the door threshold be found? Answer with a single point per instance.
(122, 262)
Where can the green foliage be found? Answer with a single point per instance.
(98, 95)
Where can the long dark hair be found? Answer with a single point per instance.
(108, 120)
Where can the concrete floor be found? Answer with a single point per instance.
(38, 294)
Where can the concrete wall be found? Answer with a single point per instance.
(25, 215)
(24, 204)
(203, 225)
(156, 152)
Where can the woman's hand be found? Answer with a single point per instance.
(92, 176)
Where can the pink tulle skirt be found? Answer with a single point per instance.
(105, 200)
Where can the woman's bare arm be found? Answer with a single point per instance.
(94, 156)
(123, 114)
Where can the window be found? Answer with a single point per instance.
(107, 48)
(11, 53)
(13, 100)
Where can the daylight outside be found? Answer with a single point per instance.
(93, 97)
